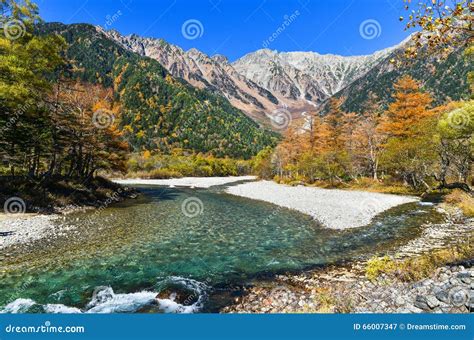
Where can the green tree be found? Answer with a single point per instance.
(26, 61)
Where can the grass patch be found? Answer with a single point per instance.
(379, 265)
(462, 200)
(417, 268)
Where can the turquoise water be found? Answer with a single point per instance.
(118, 259)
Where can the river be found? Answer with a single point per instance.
(197, 242)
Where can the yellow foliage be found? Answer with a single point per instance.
(377, 266)
(462, 200)
(146, 154)
(128, 128)
(169, 79)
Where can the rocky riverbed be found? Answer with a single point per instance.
(346, 289)
(24, 228)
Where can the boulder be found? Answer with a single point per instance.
(442, 296)
(432, 301)
(421, 303)
(183, 297)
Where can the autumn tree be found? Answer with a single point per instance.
(410, 106)
(367, 138)
(26, 60)
(445, 25)
(408, 125)
(456, 146)
(262, 163)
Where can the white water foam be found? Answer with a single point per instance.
(105, 300)
(18, 306)
(60, 309)
(199, 289)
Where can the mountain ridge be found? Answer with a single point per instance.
(158, 111)
(260, 82)
(264, 82)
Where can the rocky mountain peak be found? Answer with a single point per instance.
(219, 58)
(261, 81)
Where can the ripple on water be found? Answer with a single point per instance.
(128, 247)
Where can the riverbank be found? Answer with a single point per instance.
(26, 217)
(347, 290)
(434, 273)
(190, 182)
(19, 229)
(57, 194)
(334, 208)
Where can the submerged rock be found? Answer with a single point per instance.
(182, 296)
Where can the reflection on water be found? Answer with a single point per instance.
(131, 251)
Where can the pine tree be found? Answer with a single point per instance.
(409, 108)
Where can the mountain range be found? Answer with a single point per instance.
(263, 81)
(158, 111)
(187, 99)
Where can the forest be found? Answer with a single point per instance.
(401, 137)
(73, 105)
(411, 142)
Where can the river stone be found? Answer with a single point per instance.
(442, 296)
(414, 309)
(465, 277)
(399, 301)
(444, 277)
(454, 281)
(470, 304)
(420, 302)
(432, 301)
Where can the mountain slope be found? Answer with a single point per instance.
(214, 74)
(264, 81)
(305, 75)
(159, 111)
(444, 78)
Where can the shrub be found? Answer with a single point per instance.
(462, 200)
(379, 265)
(163, 174)
(417, 268)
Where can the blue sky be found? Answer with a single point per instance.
(234, 28)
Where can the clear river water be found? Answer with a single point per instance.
(119, 258)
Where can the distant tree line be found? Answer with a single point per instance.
(412, 142)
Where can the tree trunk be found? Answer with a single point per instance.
(456, 185)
